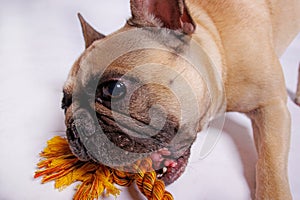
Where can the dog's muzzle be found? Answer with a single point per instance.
(82, 125)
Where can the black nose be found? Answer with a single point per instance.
(66, 101)
(84, 124)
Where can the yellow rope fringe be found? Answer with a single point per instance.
(61, 166)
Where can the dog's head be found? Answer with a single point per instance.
(133, 94)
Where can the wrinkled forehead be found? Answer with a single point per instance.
(136, 48)
(146, 55)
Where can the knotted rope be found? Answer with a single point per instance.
(60, 165)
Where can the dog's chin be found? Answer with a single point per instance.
(122, 137)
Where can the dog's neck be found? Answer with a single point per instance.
(208, 37)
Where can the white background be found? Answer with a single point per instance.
(39, 41)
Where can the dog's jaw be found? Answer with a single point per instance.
(169, 162)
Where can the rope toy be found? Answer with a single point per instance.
(60, 165)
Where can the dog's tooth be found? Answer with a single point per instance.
(165, 169)
(159, 175)
(99, 100)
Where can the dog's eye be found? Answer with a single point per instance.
(112, 91)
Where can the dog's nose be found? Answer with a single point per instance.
(83, 124)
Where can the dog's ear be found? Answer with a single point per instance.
(89, 33)
(172, 14)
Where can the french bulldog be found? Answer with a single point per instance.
(147, 89)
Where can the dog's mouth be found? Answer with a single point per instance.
(167, 167)
(171, 170)
(169, 161)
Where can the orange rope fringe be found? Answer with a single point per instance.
(61, 166)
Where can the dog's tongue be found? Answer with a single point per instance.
(168, 169)
(160, 158)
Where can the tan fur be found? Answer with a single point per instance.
(251, 34)
(285, 22)
(253, 78)
(243, 39)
